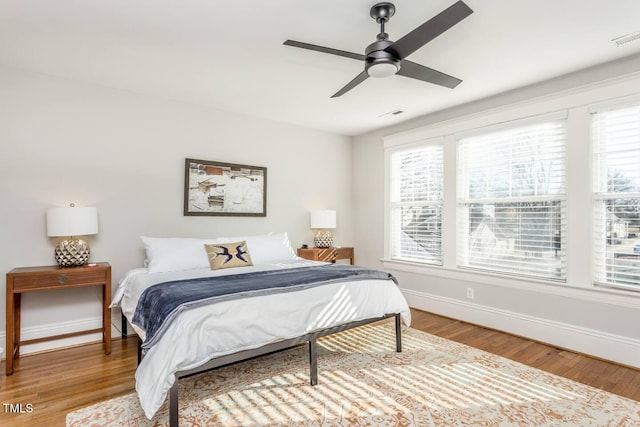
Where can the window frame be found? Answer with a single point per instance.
(602, 266)
(517, 266)
(392, 205)
(579, 236)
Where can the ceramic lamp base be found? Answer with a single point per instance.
(72, 253)
(323, 239)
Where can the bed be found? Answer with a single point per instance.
(229, 329)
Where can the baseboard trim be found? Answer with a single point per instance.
(618, 349)
(60, 328)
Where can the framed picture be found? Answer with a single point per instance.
(224, 189)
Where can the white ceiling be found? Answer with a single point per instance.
(229, 55)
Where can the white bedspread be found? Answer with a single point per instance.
(202, 333)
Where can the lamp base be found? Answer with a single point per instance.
(323, 239)
(72, 253)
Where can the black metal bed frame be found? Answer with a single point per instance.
(240, 356)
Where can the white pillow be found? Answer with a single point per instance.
(266, 248)
(271, 248)
(175, 253)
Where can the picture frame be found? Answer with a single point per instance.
(213, 188)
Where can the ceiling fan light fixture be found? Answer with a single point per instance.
(382, 69)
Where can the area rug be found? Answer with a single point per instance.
(364, 382)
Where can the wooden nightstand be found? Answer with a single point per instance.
(50, 278)
(328, 254)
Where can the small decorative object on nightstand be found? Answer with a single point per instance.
(331, 254)
(71, 222)
(49, 278)
(322, 221)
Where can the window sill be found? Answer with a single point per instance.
(555, 288)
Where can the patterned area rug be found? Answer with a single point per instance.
(363, 382)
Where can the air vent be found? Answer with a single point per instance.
(619, 41)
(391, 113)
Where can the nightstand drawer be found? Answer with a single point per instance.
(63, 277)
(327, 254)
(331, 254)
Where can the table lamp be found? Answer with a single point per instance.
(323, 220)
(70, 222)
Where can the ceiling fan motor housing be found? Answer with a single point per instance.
(379, 58)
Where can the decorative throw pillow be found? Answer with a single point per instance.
(265, 248)
(228, 255)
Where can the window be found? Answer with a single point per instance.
(511, 199)
(416, 192)
(616, 148)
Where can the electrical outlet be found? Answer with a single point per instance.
(470, 294)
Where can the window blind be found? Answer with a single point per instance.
(616, 149)
(511, 200)
(415, 196)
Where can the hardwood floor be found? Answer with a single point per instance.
(60, 381)
(621, 380)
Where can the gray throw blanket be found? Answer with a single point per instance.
(162, 302)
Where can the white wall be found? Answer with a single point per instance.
(63, 141)
(574, 315)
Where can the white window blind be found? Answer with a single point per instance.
(511, 200)
(415, 196)
(616, 148)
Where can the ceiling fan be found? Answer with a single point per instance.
(385, 58)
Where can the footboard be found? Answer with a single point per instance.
(271, 348)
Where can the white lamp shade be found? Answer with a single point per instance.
(72, 221)
(382, 69)
(323, 219)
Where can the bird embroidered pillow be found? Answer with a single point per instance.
(228, 255)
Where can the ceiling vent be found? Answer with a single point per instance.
(391, 113)
(619, 41)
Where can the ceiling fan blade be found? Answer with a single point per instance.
(426, 74)
(323, 49)
(431, 29)
(353, 83)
